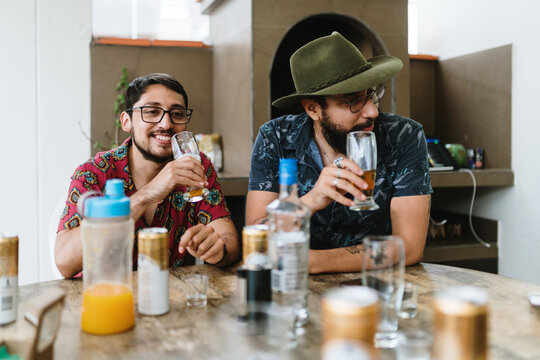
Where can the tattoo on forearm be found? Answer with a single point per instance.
(357, 249)
(227, 218)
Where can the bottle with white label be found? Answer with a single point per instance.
(288, 244)
(9, 277)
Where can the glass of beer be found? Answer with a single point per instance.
(184, 144)
(362, 149)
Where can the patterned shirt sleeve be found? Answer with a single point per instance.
(82, 180)
(213, 206)
(412, 172)
(264, 173)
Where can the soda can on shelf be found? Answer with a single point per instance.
(460, 324)
(9, 277)
(254, 239)
(475, 158)
(478, 158)
(350, 316)
(469, 163)
(153, 271)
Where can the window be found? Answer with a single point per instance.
(150, 19)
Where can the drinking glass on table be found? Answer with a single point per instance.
(383, 269)
(410, 301)
(362, 149)
(184, 144)
(197, 287)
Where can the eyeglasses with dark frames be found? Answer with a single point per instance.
(154, 114)
(358, 102)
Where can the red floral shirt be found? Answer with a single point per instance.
(173, 212)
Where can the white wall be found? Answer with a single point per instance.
(450, 28)
(45, 69)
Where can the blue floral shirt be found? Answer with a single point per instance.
(402, 170)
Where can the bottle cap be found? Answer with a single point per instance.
(113, 204)
(287, 171)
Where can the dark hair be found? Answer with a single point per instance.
(321, 100)
(138, 86)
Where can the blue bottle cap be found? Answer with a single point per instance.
(287, 171)
(113, 204)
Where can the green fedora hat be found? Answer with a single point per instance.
(332, 65)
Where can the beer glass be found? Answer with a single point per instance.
(184, 144)
(362, 149)
(383, 269)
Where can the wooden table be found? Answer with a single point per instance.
(190, 333)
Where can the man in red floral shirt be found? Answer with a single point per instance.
(154, 182)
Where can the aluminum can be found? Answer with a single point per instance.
(460, 323)
(478, 158)
(254, 239)
(9, 278)
(350, 316)
(470, 159)
(153, 269)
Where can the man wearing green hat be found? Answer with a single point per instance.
(340, 90)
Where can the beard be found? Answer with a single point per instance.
(147, 155)
(335, 136)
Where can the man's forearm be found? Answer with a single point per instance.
(347, 259)
(138, 203)
(68, 252)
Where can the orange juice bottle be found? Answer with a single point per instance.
(107, 235)
(107, 308)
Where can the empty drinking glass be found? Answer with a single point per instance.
(383, 269)
(410, 301)
(197, 286)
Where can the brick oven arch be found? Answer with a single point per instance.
(313, 27)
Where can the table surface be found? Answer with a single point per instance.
(206, 333)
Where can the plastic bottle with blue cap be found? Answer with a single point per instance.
(107, 233)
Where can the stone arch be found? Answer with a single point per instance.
(313, 27)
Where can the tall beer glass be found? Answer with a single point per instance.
(362, 149)
(184, 144)
(383, 269)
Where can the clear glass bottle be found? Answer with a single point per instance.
(288, 244)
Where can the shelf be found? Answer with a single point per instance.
(465, 247)
(457, 249)
(484, 177)
(236, 184)
(233, 184)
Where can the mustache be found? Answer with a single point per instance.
(361, 127)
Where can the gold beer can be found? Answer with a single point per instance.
(254, 239)
(350, 316)
(9, 278)
(460, 324)
(153, 271)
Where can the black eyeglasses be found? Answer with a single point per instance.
(358, 103)
(154, 114)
